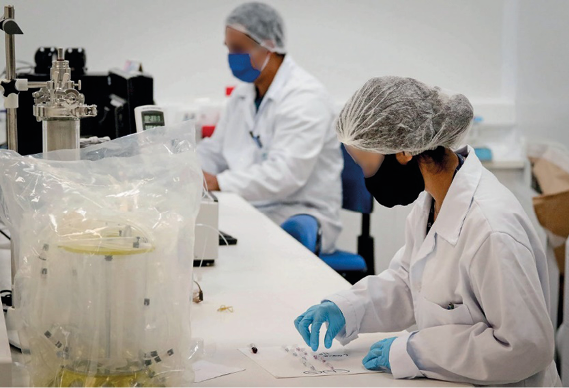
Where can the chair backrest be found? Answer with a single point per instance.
(306, 230)
(355, 195)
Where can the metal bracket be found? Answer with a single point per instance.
(9, 87)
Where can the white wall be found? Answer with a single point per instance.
(542, 79)
(454, 44)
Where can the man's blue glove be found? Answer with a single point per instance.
(316, 316)
(378, 356)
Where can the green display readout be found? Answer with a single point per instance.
(152, 120)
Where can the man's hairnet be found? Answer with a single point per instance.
(262, 23)
(393, 114)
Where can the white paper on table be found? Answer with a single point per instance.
(205, 370)
(283, 364)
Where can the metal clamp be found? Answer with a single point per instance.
(58, 98)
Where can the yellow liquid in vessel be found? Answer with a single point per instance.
(69, 378)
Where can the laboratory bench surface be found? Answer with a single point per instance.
(268, 279)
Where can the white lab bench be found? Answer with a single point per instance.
(269, 279)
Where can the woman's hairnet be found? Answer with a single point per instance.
(393, 114)
(262, 23)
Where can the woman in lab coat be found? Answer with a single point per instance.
(472, 274)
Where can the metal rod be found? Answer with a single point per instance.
(37, 84)
(11, 117)
(11, 128)
(10, 49)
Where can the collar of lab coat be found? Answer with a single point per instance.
(458, 199)
(276, 87)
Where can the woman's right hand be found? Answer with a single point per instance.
(315, 317)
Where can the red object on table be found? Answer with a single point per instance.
(207, 130)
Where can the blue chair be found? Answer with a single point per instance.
(306, 230)
(356, 198)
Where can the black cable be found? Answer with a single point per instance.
(5, 235)
(200, 293)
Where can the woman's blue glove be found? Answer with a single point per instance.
(316, 316)
(378, 356)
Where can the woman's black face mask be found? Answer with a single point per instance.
(395, 183)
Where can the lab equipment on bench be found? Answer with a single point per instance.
(115, 92)
(58, 105)
(226, 239)
(10, 88)
(208, 236)
(207, 241)
(105, 259)
(148, 117)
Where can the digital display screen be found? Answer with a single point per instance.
(152, 119)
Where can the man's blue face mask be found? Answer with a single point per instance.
(242, 68)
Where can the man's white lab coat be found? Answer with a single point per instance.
(285, 159)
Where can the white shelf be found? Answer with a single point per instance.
(505, 164)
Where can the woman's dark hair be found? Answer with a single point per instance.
(437, 158)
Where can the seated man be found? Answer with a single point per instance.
(275, 144)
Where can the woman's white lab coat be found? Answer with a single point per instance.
(295, 165)
(476, 286)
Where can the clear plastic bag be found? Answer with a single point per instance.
(105, 257)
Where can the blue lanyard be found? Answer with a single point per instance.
(258, 101)
(257, 139)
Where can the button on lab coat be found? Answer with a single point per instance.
(294, 167)
(476, 286)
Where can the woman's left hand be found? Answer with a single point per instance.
(378, 356)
